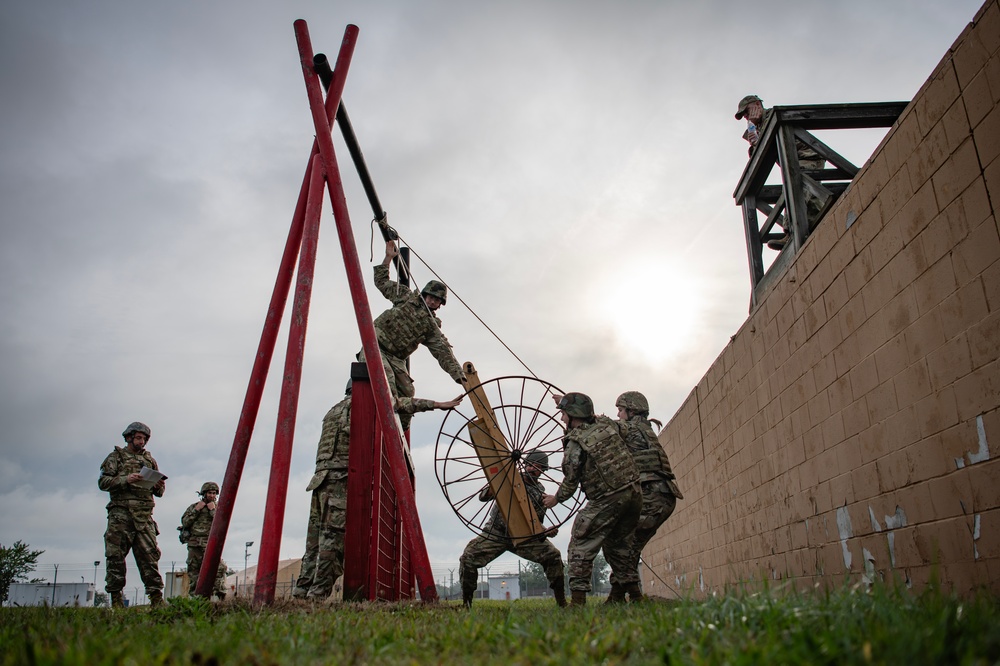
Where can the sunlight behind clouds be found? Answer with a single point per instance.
(653, 308)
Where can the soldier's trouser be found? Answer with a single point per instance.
(605, 524)
(124, 534)
(400, 382)
(658, 503)
(196, 553)
(481, 551)
(323, 562)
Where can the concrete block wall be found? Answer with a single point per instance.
(851, 428)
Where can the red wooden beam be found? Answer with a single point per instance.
(362, 310)
(281, 458)
(265, 349)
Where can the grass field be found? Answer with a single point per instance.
(847, 626)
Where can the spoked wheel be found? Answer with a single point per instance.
(527, 418)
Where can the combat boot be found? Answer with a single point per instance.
(117, 600)
(156, 599)
(634, 592)
(579, 598)
(559, 592)
(617, 594)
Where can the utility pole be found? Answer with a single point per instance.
(97, 563)
(246, 558)
(55, 579)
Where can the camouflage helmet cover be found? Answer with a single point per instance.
(539, 459)
(741, 110)
(435, 288)
(633, 401)
(137, 426)
(209, 487)
(577, 405)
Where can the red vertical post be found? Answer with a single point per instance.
(361, 470)
(362, 309)
(277, 488)
(251, 402)
(265, 349)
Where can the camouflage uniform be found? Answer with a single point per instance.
(484, 549)
(130, 522)
(596, 458)
(323, 561)
(199, 523)
(401, 329)
(659, 490)
(809, 160)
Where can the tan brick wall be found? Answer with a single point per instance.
(851, 428)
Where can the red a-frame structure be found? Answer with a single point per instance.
(386, 552)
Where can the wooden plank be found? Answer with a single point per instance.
(499, 465)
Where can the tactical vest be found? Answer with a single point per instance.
(649, 457)
(130, 495)
(608, 467)
(201, 527)
(401, 329)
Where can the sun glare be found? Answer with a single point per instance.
(653, 310)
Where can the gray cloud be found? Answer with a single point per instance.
(567, 167)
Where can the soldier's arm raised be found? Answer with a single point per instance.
(440, 349)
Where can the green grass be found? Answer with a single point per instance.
(845, 626)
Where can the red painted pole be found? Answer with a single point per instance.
(265, 350)
(251, 402)
(380, 384)
(281, 458)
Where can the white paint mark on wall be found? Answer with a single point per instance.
(892, 522)
(701, 579)
(869, 563)
(875, 525)
(898, 519)
(975, 538)
(846, 532)
(984, 450)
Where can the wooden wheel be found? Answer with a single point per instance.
(526, 416)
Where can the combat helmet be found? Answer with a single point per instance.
(539, 459)
(209, 487)
(633, 401)
(577, 405)
(134, 427)
(435, 288)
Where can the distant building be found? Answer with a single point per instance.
(47, 594)
(241, 583)
(506, 587)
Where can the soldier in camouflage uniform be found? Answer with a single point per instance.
(410, 322)
(659, 489)
(130, 516)
(495, 542)
(196, 524)
(323, 561)
(752, 108)
(596, 458)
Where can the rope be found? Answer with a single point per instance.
(401, 266)
(657, 576)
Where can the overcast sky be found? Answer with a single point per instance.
(566, 167)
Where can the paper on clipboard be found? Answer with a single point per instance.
(150, 477)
